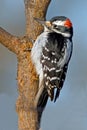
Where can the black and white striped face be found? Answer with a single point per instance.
(60, 24)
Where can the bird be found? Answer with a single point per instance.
(50, 54)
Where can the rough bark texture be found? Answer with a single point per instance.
(28, 115)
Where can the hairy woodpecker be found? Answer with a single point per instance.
(51, 54)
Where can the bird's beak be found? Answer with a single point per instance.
(40, 21)
(44, 23)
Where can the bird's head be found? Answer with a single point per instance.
(60, 24)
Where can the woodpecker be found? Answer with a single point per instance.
(51, 54)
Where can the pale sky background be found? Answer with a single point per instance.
(70, 110)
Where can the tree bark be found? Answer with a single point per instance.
(28, 116)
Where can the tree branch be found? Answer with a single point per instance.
(9, 41)
(29, 117)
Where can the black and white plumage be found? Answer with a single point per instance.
(51, 54)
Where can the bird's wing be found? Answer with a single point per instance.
(54, 74)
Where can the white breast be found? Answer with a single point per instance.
(37, 51)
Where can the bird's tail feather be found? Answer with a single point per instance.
(41, 98)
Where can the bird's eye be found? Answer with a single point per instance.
(55, 26)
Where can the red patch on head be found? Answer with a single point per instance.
(68, 23)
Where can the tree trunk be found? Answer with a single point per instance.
(28, 116)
